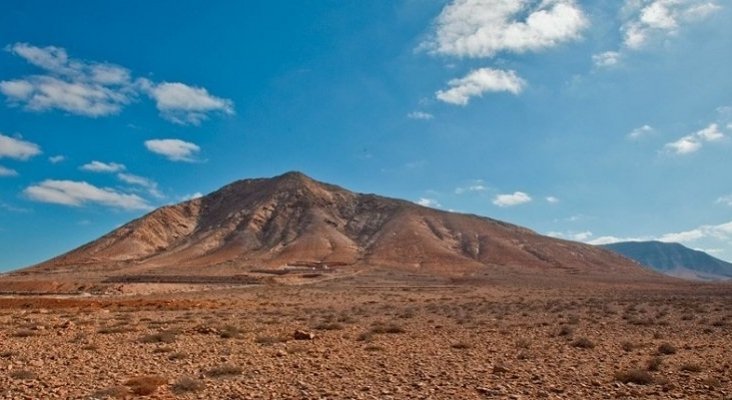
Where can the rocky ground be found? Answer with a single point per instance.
(369, 342)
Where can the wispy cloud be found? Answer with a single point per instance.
(17, 148)
(95, 89)
(726, 200)
(173, 149)
(478, 82)
(75, 193)
(56, 159)
(512, 199)
(7, 172)
(641, 132)
(483, 28)
(420, 115)
(98, 166)
(693, 142)
(607, 59)
(552, 199)
(476, 186)
(150, 185)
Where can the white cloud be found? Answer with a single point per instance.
(721, 232)
(513, 199)
(607, 59)
(581, 236)
(646, 20)
(6, 172)
(420, 115)
(73, 193)
(183, 104)
(640, 132)
(17, 148)
(685, 145)
(98, 166)
(56, 159)
(76, 97)
(74, 86)
(693, 142)
(552, 200)
(173, 149)
(428, 202)
(95, 89)
(482, 28)
(192, 196)
(610, 239)
(149, 184)
(480, 81)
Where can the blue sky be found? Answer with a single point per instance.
(588, 120)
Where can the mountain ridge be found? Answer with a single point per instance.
(292, 219)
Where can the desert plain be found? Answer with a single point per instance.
(375, 334)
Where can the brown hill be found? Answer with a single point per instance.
(294, 220)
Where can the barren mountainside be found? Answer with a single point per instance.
(674, 259)
(294, 220)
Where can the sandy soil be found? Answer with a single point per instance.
(407, 339)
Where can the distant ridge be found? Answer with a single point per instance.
(674, 259)
(292, 219)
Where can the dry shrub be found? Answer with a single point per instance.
(160, 337)
(666, 348)
(269, 340)
(654, 364)
(583, 343)
(23, 333)
(230, 332)
(391, 328)
(145, 385)
(636, 376)
(691, 367)
(187, 384)
(629, 346)
(500, 368)
(373, 347)
(461, 346)
(22, 374)
(329, 326)
(565, 330)
(224, 370)
(178, 355)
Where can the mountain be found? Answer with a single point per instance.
(674, 259)
(293, 220)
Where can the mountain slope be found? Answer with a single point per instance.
(674, 259)
(294, 220)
